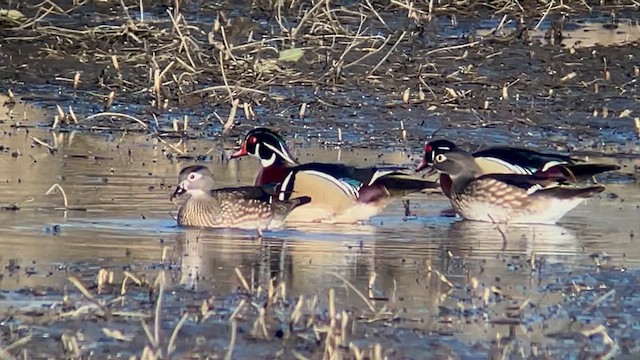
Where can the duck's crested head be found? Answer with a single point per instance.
(456, 163)
(195, 180)
(266, 145)
(432, 149)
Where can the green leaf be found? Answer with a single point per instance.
(13, 15)
(292, 55)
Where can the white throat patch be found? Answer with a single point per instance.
(282, 152)
(264, 162)
(268, 162)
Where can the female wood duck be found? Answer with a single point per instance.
(249, 207)
(339, 193)
(512, 160)
(542, 198)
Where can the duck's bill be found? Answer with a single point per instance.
(430, 170)
(179, 191)
(241, 152)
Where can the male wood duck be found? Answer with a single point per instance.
(542, 198)
(249, 207)
(339, 193)
(512, 160)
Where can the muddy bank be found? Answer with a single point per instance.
(369, 70)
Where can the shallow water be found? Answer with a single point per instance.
(122, 218)
(594, 30)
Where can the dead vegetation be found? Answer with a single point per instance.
(274, 58)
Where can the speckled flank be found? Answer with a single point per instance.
(495, 201)
(231, 208)
(211, 213)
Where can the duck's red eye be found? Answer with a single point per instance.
(252, 140)
(428, 148)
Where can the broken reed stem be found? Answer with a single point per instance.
(174, 335)
(343, 328)
(357, 353)
(243, 281)
(232, 115)
(364, 298)
(237, 310)
(156, 87)
(64, 195)
(226, 87)
(599, 300)
(183, 42)
(19, 342)
(174, 147)
(86, 293)
(306, 16)
(40, 142)
(232, 341)
(126, 11)
(224, 77)
(544, 15)
(72, 115)
(147, 332)
(115, 114)
(297, 312)
(227, 47)
(156, 325)
(332, 306)
(404, 33)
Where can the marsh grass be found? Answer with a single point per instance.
(274, 55)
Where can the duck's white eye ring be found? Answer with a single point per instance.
(192, 176)
(440, 158)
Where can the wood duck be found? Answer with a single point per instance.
(339, 193)
(249, 207)
(542, 198)
(512, 160)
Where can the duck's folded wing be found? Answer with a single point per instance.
(352, 179)
(242, 193)
(317, 183)
(344, 177)
(528, 183)
(528, 159)
(355, 176)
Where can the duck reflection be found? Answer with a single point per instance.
(555, 242)
(300, 259)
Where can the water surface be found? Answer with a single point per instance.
(118, 189)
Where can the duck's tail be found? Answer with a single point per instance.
(398, 184)
(282, 209)
(566, 192)
(584, 172)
